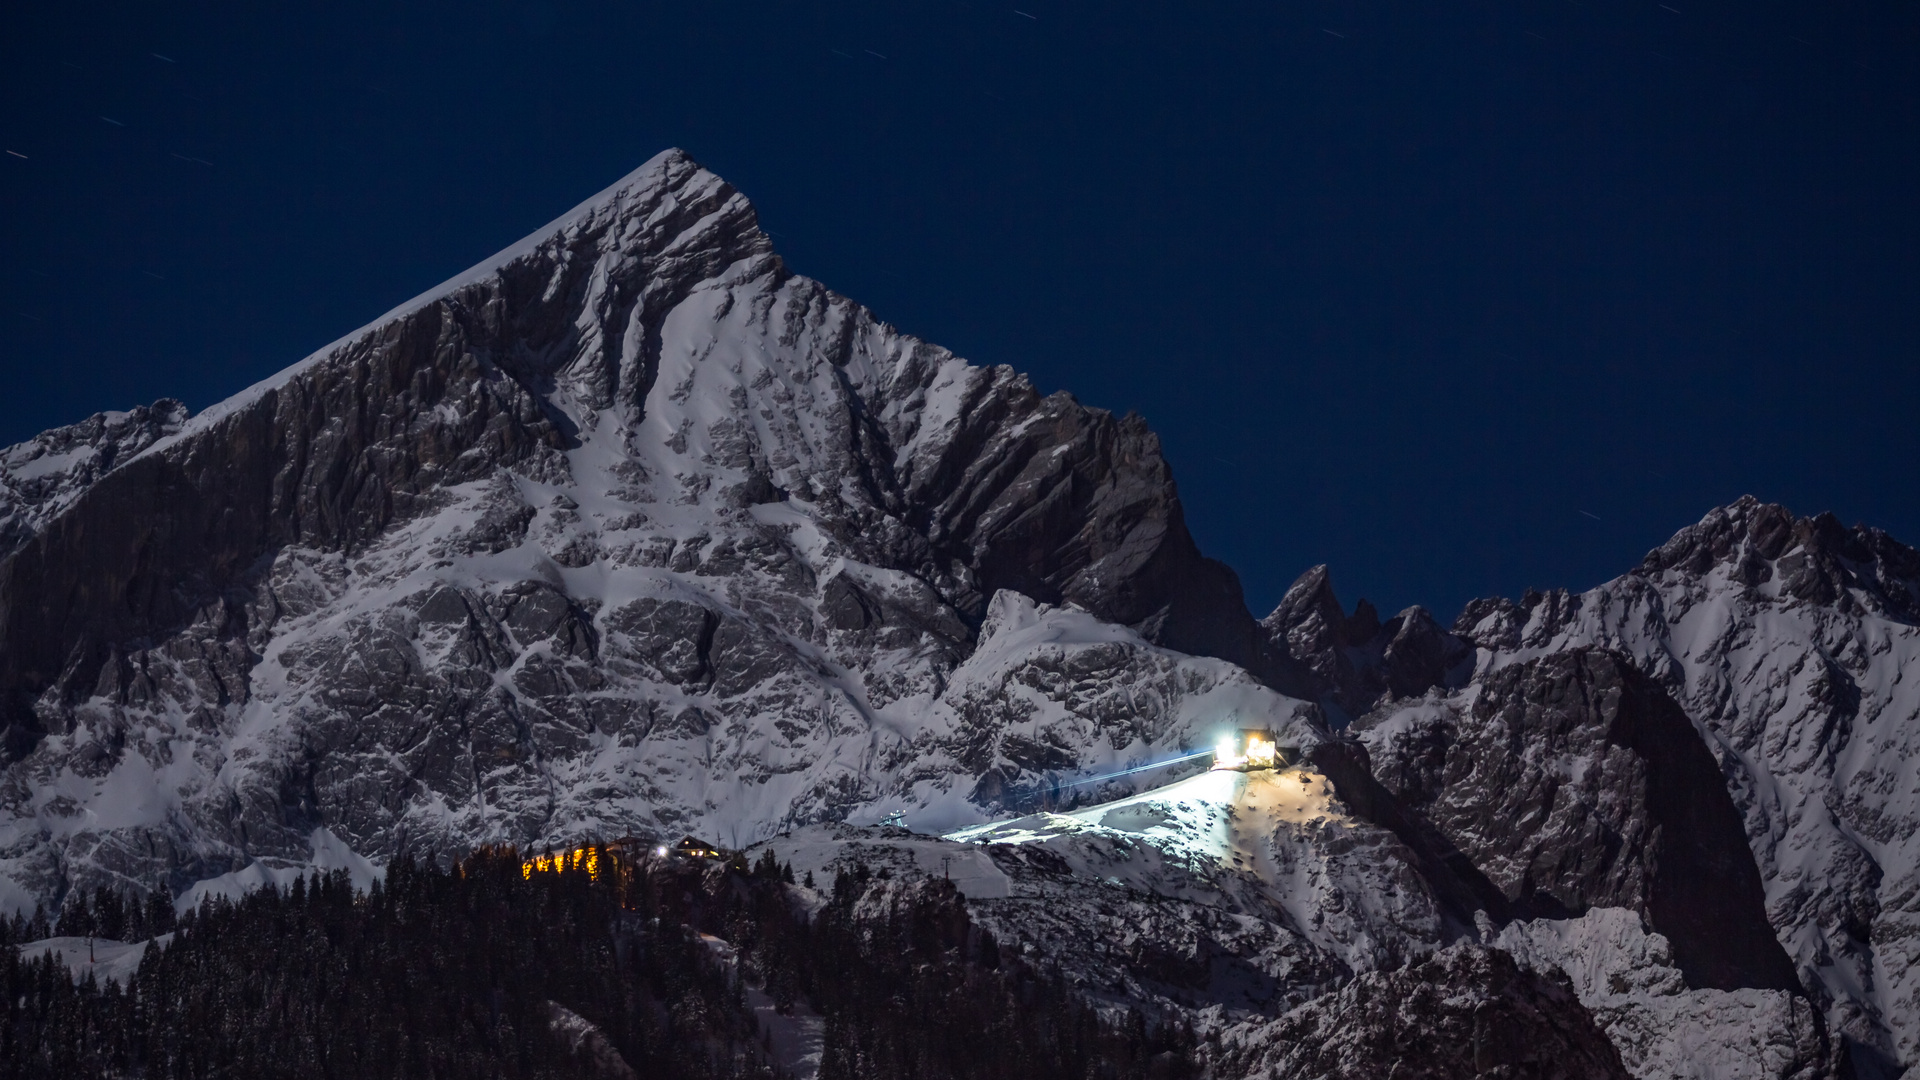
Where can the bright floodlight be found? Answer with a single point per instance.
(1246, 750)
(1260, 752)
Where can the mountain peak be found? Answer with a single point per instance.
(623, 516)
(655, 195)
(1814, 559)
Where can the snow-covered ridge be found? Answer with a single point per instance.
(99, 958)
(42, 476)
(662, 171)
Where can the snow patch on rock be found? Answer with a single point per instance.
(1626, 977)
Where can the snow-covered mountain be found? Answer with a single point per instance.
(1793, 645)
(631, 530)
(1790, 648)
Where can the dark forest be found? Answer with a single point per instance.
(483, 969)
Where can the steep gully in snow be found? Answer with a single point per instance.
(630, 530)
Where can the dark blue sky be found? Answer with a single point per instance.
(1458, 297)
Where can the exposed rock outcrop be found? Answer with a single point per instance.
(39, 477)
(1572, 782)
(1350, 663)
(1661, 1026)
(1465, 1011)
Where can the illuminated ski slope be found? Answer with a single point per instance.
(1224, 816)
(1265, 840)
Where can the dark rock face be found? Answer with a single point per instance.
(1310, 626)
(1349, 663)
(1466, 1011)
(1574, 782)
(329, 460)
(1458, 886)
(1064, 503)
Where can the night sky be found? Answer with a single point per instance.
(1460, 298)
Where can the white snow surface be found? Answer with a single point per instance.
(1626, 977)
(1274, 840)
(330, 854)
(1280, 850)
(1253, 892)
(104, 959)
(797, 1038)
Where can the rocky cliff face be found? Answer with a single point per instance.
(1572, 782)
(1349, 662)
(632, 530)
(1662, 1027)
(40, 477)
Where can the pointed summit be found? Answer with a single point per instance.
(669, 209)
